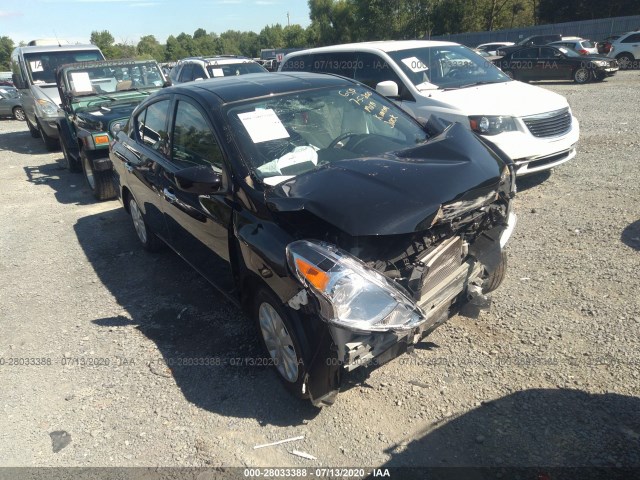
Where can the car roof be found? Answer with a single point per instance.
(56, 48)
(255, 85)
(378, 46)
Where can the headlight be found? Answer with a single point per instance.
(492, 125)
(352, 294)
(49, 109)
(600, 63)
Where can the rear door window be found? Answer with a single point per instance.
(632, 38)
(527, 53)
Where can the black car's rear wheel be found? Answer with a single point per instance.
(100, 183)
(18, 114)
(147, 238)
(581, 75)
(282, 341)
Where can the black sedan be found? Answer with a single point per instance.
(556, 63)
(347, 229)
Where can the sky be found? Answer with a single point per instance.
(128, 20)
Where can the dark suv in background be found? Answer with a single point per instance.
(200, 68)
(529, 41)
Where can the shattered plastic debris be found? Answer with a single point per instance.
(286, 440)
(303, 455)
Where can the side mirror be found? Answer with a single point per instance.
(388, 88)
(201, 180)
(18, 82)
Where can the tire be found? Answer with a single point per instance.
(581, 76)
(35, 133)
(147, 238)
(496, 277)
(625, 61)
(281, 340)
(70, 163)
(18, 114)
(51, 144)
(100, 183)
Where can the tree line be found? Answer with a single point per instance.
(341, 21)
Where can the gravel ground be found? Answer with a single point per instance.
(548, 376)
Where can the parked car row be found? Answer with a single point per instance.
(625, 48)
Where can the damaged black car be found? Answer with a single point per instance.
(347, 229)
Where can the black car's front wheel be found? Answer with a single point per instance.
(496, 277)
(147, 238)
(99, 182)
(282, 341)
(581, 75)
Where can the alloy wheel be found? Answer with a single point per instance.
(278, 341)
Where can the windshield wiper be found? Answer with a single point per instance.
(481, 82)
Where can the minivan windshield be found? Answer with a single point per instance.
(447, 66)
(42, 66)
(286, 135)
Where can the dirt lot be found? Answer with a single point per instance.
(549, 376)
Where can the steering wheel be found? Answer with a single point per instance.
(337, 140)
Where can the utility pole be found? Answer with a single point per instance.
(288, 23)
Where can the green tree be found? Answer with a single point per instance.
(104, 41)
(6, 47)
(294, 36)
(149, 47)
(271, 37)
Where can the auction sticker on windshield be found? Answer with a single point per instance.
(81, 82)
(415, 64)
(263, 125)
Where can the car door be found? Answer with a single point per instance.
(198, 224)
(554, 65)
(631, 44)
(524, 64)
(143, 154)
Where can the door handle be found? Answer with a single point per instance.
(169, 196)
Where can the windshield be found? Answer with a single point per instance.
(290, 134)
(108, 77)
(230, 69)
(9, 92)
(42, 66)
(449, 66)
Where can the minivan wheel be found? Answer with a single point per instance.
(50, 143)
(100, 183)
(496, 277)
(147, 238)
(35, 133)
(581, 75)
(280, 340)
(18, 114)
(69, 162)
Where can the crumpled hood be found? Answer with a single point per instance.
(510, 98)
(396, 193)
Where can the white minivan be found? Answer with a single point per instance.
(34, 75)
(533, 126)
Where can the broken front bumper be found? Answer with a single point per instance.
(454, 286)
